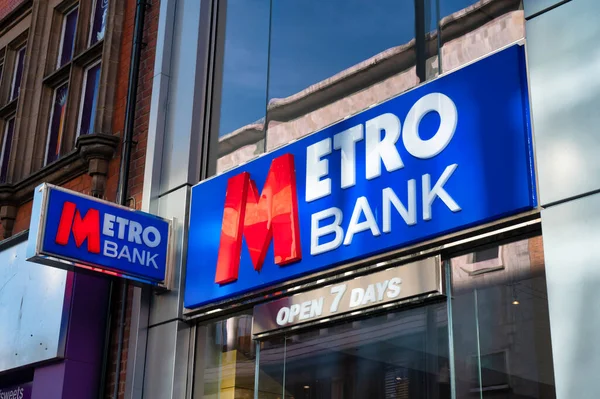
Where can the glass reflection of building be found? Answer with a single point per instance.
(292, 68)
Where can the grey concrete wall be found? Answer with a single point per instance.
(564, 58)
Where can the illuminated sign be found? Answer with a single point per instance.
(411, 281)
(71, 229)
(450, 154)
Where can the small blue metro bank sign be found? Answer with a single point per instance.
(69, 229)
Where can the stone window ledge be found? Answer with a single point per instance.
(91, 155)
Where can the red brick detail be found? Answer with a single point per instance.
(138, 155)
(7, 6)
(136, 179)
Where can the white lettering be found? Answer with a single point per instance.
(282, 316)
(394, 287)
(305, 310)
(378, 149)
(361, 207)
(110, 249)
(150, 259)
(294, 311)
(381, 287)
(390, 198)
(125, 253)
(139, 257)
(356, 297)
(135, 232)
(429, 194)
(151, 230)
(346, 142)
(433, 102)
(122, 222)
(320, 231)
(108, 225)
(339, 291)
(369, 295)
(316, 168)
(316, 307)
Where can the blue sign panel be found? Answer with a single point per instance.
(450, 154)
(68, 228)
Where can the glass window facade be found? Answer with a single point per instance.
(288, 69)
(490, 338)
(7, 140)
(89, 99)
(98, 21)
(18, 73)
(57, 123)
(67, 41)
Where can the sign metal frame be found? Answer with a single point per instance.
(36, 253)
(418, 280)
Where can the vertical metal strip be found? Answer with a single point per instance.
(266, 124)
(420, 28)
(284, 364)
(439, 36)
(256, 369)
(450, 329)
(478, 343)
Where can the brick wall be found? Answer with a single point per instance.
(83, 183)
(138, 156)
(6, 6)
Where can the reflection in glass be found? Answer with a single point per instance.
(18, 73)
(225, 357)
(501, 326)
(67, 41)
(329, 60)
(473, 28)
(99, 15)
(7, 139)
(57, 122)
(87, 113)
(397, 355)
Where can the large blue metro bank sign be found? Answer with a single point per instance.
(447, 155)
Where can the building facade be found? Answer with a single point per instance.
(239, 86)
(64, 81)
(370, 199)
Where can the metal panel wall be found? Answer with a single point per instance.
(32, 305)
(564, 59)
(571, 236)
(533, 7)
(159, 342)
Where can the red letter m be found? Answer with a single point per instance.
(272, 215)
(86, 228)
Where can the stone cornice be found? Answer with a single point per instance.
(91, 154)
(64, 169)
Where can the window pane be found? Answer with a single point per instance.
(57, 120)
(332, 59)
(18, 73)
(98, 21)
(501, 325)
(472, 28)
(243, 86)
(1, 71)
(6, 146)
(68, 37)
(397, 355)
(225, 359)
(89, 99)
